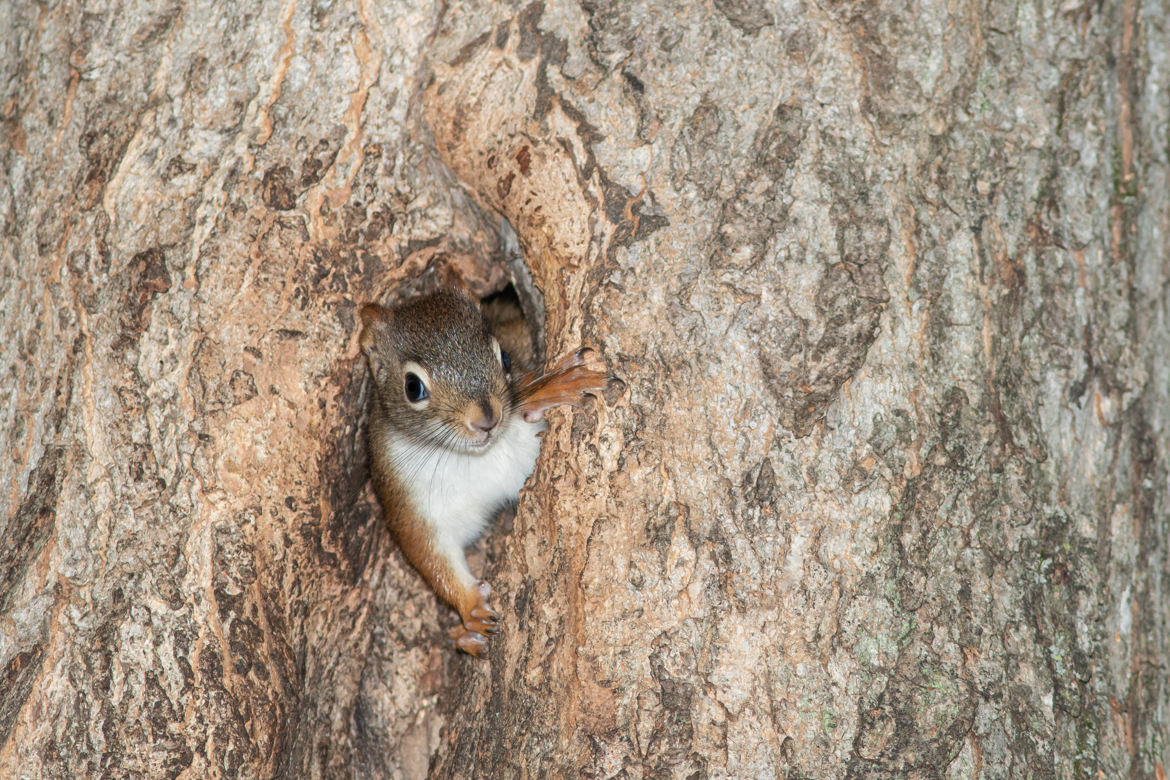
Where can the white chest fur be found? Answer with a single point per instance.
(457, 493)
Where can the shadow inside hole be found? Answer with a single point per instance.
(512, 329)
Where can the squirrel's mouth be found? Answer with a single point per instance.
(478, 445)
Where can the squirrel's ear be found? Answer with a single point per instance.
(451, 279)
(372, 312)
(375, 322)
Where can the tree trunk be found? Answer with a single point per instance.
(883, 491)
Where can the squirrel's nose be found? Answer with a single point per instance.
(485, 418)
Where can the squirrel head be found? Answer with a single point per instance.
(439, 374)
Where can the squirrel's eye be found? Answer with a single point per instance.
(415, 389)
(506, 361)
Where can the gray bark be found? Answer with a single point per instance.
(884, 491)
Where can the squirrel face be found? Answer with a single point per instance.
(440, 376)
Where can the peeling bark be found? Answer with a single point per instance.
(883, 491)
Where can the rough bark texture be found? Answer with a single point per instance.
(885, 492)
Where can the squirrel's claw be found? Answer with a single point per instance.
(566, 383)
(483, 620)
(472, 643)
(478, 620)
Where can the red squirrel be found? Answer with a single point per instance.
(454, 432)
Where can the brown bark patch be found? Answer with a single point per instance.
(16, 684)
(25, 534)
(276, 188)
(146, 277)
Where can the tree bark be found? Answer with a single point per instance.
(883, 490)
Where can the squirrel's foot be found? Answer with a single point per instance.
(567, 383)
(479, 619)
(470, 642)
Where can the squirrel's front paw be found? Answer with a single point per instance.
(479, 619)
(567, 383)
(470, 642)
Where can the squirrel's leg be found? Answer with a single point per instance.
(469, 597)
(444, 566)
(568, 381)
